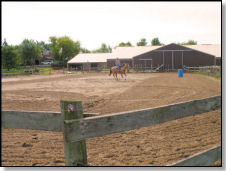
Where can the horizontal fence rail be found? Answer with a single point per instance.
(47, 121)
(203, 158)
(78, 126)
(205, 69)
(32, 120)
(119, 122)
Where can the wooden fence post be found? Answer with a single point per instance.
(75, 152)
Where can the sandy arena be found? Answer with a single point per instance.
(157, 145)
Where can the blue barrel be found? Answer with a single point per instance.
(180, 72)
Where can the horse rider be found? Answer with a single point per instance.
(117, 63)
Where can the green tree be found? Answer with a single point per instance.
(84, 50)
(155, 41)
(142, 42)
(44, 45)
(77, 48)
(9, 56)
(64, 48)
(4, 43)
(103, 49)
(54, 47)
(128, 44)
(122, 44)
(30, 52)
(17, 49)
(191, 42)
(180, 43)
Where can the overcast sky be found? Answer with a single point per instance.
(93, 23)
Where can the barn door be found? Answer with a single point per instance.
(148, 64)
(177, 60)
(168, 60)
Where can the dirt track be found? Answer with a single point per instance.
(156, 145)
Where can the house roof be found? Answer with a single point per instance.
(212, 49)
(90, 57)
(130, 52)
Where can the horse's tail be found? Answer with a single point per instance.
(110, 72)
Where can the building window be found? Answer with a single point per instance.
(94, 65)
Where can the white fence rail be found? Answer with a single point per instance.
(204, 69)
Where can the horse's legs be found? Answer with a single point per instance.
(121, 75)
(125, 76)
(114, 75)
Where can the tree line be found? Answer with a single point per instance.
(29, 52)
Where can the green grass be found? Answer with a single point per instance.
(45, 69)
(12, 71)
(42, 71)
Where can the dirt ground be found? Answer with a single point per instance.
(156, 145)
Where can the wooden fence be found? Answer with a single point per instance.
(141, 68)
(29, 72)
(77, 127)
(204, 69)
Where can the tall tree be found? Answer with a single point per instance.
(122, 44)
(84, 50)
(103, 49)
(128, 44)
(155, 41)
(54, 47)
(30, 51)
(44, 45)
(4, 43)
(142, 42)
(9, 56)
(77, 48)
(64, 48)
(189, 42)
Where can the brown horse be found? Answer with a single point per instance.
(121, 71)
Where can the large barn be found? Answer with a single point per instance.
(170, 57)
(175, 56)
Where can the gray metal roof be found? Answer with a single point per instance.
(130, 52)
(90, 57)
(212, 49)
